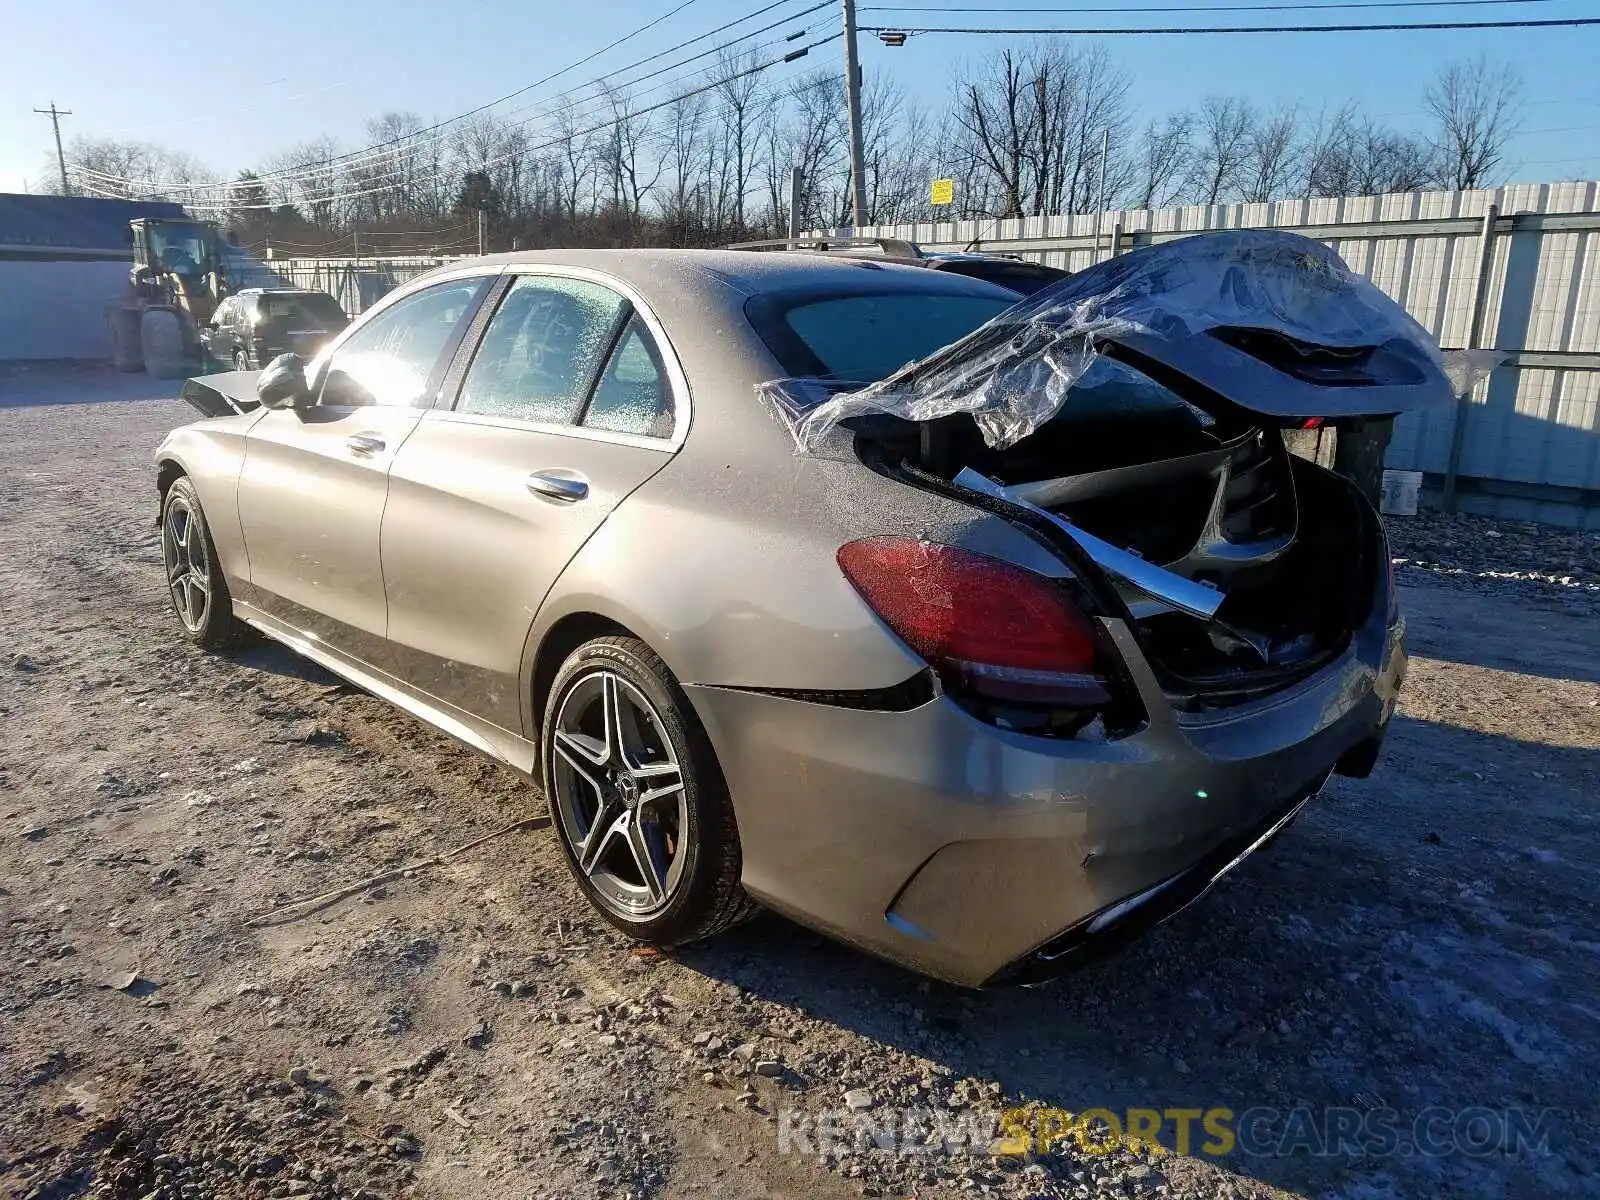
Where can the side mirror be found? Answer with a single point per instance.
(282, 384)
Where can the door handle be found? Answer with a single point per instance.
(558, 484)
(365, 444)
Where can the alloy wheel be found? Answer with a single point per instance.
(619, 794)
(183, 546)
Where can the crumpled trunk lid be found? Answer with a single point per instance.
(1269, 322)
(1137, 408)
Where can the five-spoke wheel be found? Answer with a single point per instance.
(639, 804)
(619, 792)
(194, 580)
(188, 567)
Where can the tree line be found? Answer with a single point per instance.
(1032, 129)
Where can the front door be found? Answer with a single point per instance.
(568, 407)
(312, 489)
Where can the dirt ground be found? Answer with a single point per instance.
(1422, 944)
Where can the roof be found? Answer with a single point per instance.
(750, 272)
(74, 222)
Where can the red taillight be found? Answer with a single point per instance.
(1001, 630)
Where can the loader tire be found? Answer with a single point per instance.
(126, 354)
(161, 340)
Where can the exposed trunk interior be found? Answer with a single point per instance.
(1188, 480)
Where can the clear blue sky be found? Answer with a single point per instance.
(234, 82)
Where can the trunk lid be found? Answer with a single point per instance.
(222, 395)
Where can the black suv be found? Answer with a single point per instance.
(253, 326)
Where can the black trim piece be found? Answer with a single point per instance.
(619, 329)
(901, 697)
(466, 345)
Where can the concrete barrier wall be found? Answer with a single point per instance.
(56, 309)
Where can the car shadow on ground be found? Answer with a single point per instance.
(262, 654)
(1400, 947)
(1459, 625)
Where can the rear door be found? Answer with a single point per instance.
(571, 400)
(312, 489)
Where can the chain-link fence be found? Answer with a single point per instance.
(356, 283)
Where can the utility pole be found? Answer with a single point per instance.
(55, 114)
(852, 96)
(1100, 200)
(480, 231)
(795, 181)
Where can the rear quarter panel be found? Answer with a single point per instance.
(724, 562)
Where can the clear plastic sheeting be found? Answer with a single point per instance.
(1015, 372)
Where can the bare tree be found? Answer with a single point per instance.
(138, 170)
(574, 157)
(1477, 105)
(307, 178)
(683, 208)
(1347, 153)
(1272, 152)
(388, 175)
(996, 114)
(738, 91)
(1223, 128)
(1163, 163)
(629, 146)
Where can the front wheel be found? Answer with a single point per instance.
(638, 801)
(195, 583)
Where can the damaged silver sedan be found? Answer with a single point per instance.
(982, 663)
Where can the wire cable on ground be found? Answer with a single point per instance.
(295, 910)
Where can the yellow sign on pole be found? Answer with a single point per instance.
(943, 191)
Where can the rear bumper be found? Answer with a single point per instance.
(959, 849)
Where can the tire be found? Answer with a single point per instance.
(690, 835)
(205, 612)
(161, 341)
(123, 324)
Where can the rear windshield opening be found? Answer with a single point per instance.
(865, 338)
(313, 312)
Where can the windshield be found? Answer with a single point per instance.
(865, 338)
(302, 312)
(181, 250)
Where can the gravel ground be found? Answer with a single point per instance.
(1424, 938)
(1509, 558)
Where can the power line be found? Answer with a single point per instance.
(409, 144)
(792, 56)
(1566, 22)
(376, 179)
(471, 112)
(1196, 8)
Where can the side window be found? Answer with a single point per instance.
(541, 350)
(632, 396)
(388, 360)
